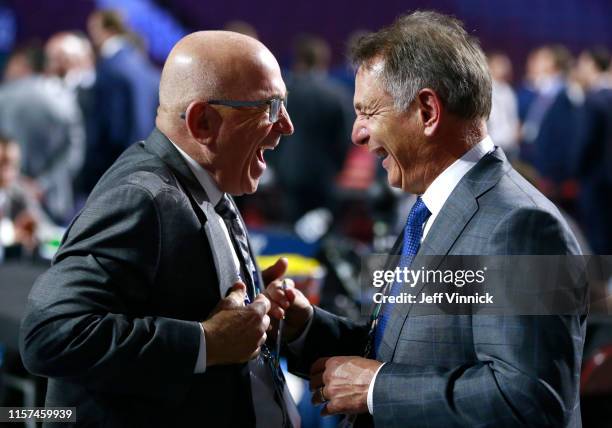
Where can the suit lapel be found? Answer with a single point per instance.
(457, 211)
(159, 145)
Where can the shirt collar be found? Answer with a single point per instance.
(111, 46)
(204, 178)
(440, 189)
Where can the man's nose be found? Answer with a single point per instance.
(284, 124)
(360, 134)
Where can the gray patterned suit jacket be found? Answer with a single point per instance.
(464, 370)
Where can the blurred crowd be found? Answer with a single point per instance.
(556, 127)
(70, 106)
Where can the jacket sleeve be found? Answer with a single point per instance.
(327, 336)
(527, 367)
(85, 318)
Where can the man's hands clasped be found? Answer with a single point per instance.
(235, 332)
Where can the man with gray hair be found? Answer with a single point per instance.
(422, 98)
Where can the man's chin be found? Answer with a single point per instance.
(250, 187)
(394, 181)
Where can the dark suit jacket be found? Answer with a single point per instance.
(481, 370)
(321, 111)
(113, 323)
(141, 79)
(553, 145)
(125, 99)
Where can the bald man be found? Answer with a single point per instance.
(151, 310)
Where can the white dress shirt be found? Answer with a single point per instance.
(435, 197)
(267, 413)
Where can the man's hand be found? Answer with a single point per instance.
(297, 308)
(342, 383)
(235, 332)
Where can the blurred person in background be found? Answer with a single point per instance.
(594, 149)
(24, 61)
(22, 221)
(526, 90)
(307, 164)
(69, 56)
(503, 123)
(43, 117)
(550, 125)
(125, 90)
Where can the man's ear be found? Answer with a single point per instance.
(430, 110)
(202, 122)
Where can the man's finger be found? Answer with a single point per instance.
(292, 294)
(255, 354)
(261, 304)
(262, 340)
(320, 396)
(276, 312)
(275, 271)
(277, 295)
(265, 321)
(329, 409)
(236, 295)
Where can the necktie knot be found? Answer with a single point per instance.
(414, 230)
(225, 209)
(419, 213)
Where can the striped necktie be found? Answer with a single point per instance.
(226, 209)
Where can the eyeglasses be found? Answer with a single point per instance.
(274, 106)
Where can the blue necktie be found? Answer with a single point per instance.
(413, 232)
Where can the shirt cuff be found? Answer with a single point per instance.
(297, 345)
(200, 366)
(370, 399)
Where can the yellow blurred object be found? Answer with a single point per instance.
(298, 264)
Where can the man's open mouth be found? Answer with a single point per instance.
(380, 153)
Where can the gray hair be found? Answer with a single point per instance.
(429, 50)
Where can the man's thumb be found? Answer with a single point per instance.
(236, 295)
(275, 271)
